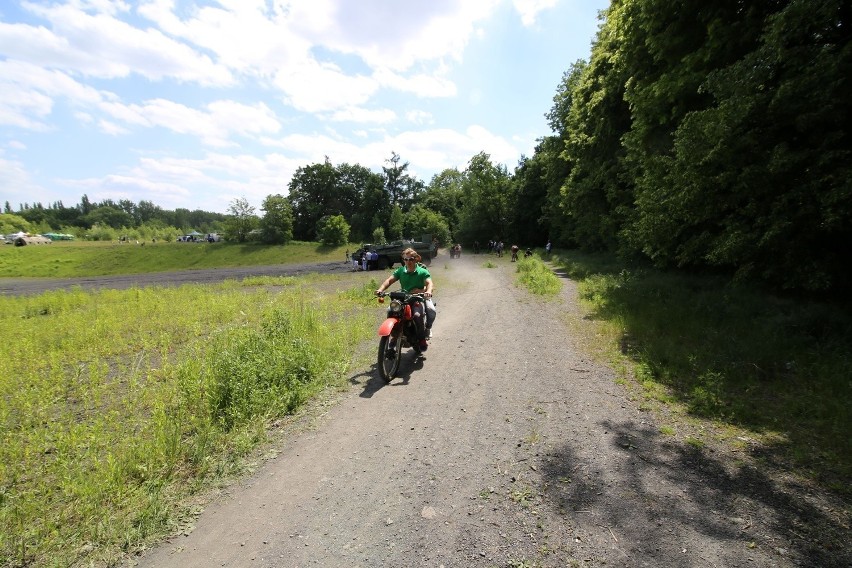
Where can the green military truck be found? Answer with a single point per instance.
(390, 253)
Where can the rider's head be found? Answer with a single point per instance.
(411, 254)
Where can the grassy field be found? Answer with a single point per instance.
(117, 406)
(69, 259)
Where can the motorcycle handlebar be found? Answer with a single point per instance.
(420, 295)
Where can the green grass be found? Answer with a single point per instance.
(117, 405)
(72, 259)
(537, 277)
(775, 367)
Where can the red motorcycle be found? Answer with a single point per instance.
(402, 328)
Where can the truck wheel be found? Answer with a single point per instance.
(383, 262)
(427, 260)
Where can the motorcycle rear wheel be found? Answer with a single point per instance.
(390, 354)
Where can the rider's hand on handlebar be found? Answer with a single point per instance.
(427, 295)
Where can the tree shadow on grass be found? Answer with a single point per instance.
(663, 497)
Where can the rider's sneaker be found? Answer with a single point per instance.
(428, 333)
(423, 345)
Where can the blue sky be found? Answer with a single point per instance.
(192, 104)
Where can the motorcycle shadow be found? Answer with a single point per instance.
(410, 363)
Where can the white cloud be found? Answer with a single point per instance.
(396, 36)
(529, 9)
(420, 117)
(312, 87)
(362, 115)
(104, 46)
(28, 93)
(419, 84)
(111, 128)
(428, 151)
(18, 186)
(214, 125)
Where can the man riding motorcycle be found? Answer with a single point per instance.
(415, 278)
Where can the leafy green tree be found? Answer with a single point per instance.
(396, 223)
(534, 182)
(276, 225)
(242, 220)
(370, 206)
(109, 216)
(11, 223)
(444, 195)
(597, 195)
(403, 190)
(489, 200)
(422, 221)
(333, 230)
(378, 236)
(313, 195)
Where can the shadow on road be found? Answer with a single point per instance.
(373, 383)
(659, 493)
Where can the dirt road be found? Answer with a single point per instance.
(505, 445)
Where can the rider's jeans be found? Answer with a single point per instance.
(430, 313)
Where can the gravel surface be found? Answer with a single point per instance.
(506, 445)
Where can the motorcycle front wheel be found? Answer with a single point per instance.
(390, 354)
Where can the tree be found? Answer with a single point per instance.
(489, 200)
(403, 190)
(333, 230)
(597, 195)
(241, 221)
(109, 216)
(369, 207)
(11, 223)
(378, 236)
(421, 221)
(276, 225)
(444, 195)
(313, 193)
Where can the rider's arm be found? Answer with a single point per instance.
(428, 290)
(390, 280)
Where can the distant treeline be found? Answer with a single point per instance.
(698, 136)
(108, 220)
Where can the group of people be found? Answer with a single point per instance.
(367, 260)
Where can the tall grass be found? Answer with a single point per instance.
(537, 277)
(70, 259)
(780, 368)
(114, 404)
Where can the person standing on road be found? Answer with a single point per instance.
(414, 278)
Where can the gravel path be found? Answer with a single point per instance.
(505, 446)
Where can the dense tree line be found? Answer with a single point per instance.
(698, 136)
(710, 136)
(109, 220)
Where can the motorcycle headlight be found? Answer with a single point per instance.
(395, 306)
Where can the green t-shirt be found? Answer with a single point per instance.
(410, 280)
